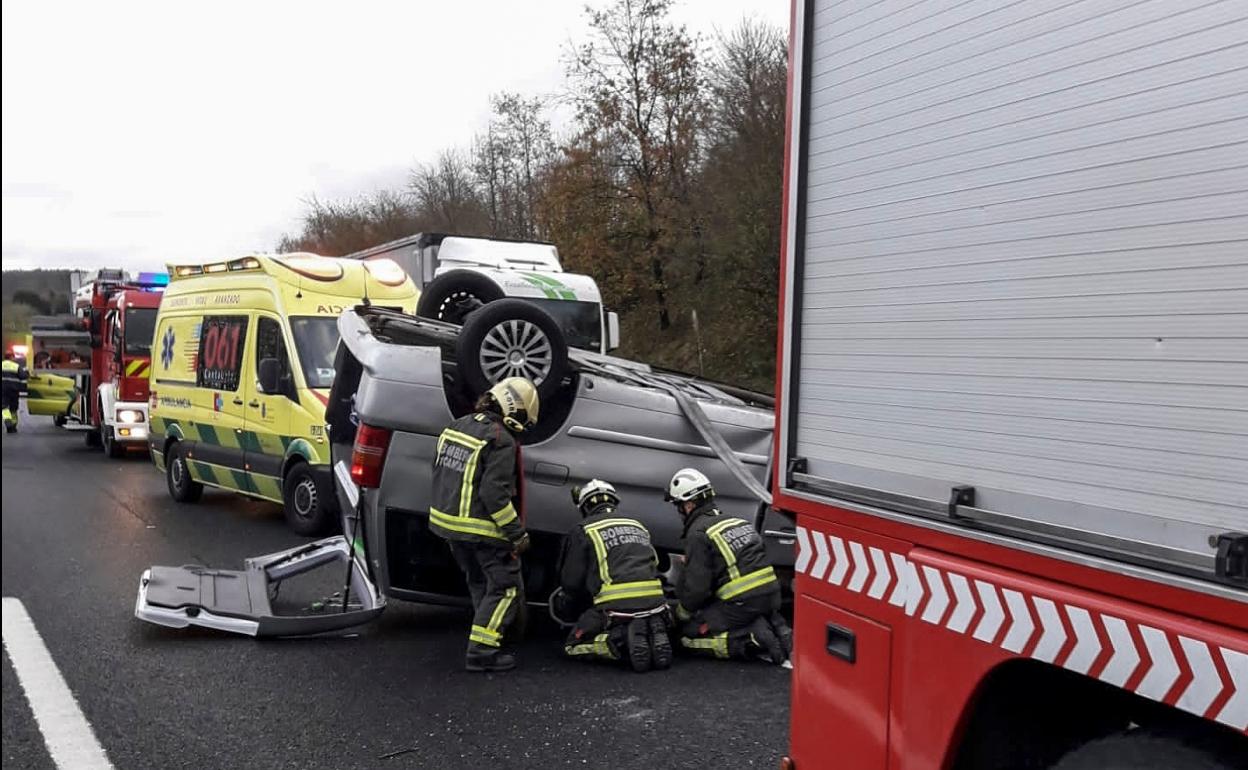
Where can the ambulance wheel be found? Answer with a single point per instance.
(453, 295)
(1141, 750)
(182, 487)
(303, 502)
(512, 338)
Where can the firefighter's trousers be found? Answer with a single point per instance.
(493, 577)
(721, 629)
(599, 635)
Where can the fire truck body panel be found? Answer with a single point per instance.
(1013, 372)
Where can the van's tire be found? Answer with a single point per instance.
(59, 420)
(512, 337)
(453, 295)
(305, 504)
(1140, 750)
(182, 488)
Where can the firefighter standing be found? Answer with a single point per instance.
(608, 577)
(475, 479)
(729, 597)
(14, 375)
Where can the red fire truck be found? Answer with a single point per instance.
(1012, 424)
(120, 315)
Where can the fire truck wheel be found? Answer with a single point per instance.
(182, 487)
(1140, 750)
(92, 438)
(109, 441)
(303, 502)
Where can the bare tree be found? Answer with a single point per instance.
(446, 194)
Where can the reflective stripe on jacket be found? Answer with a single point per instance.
(608, 559)
(474, 482)
(724, 559)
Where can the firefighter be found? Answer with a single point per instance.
(14, 375)
(608, 579)
(728, 594)
(475, 483)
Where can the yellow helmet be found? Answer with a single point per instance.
(517, 402)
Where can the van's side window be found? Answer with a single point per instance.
(270, 344)
(221, 342)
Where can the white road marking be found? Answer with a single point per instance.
(65, 730)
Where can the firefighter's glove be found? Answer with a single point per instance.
(523, 544)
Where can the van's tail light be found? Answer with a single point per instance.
(368, 456)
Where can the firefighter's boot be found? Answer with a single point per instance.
(660, 643)
(764, 644)
(783, 633)
(639, 644)
(488, 659)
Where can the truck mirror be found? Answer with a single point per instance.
(613, 330)
(270, 375)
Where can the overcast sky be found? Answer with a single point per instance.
(139, 133)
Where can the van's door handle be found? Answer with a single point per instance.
(238, 402)
(253, 403)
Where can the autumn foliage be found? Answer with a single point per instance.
(666, 188)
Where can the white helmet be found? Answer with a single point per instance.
(596, 492)
(689, 484)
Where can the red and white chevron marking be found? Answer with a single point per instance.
(1206, 679)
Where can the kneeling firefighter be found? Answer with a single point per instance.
(475, 480)
(608, 579)
(729, 597)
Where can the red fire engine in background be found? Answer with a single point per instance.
(119, 313)
(1012, 422)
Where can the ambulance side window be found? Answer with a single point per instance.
(221, 342)
(271, 345)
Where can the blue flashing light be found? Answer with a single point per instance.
(153, 281)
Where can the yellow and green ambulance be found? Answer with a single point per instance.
(242, 363)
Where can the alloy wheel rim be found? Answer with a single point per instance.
(516, 348)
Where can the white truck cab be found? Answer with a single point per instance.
(456, 274)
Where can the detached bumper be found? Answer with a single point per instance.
(237, 601)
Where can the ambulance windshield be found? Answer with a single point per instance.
(316, 340)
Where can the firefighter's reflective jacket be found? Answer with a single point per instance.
(608, 559)
(474, 482)
(14, 374)
(724, 559)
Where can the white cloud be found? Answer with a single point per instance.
(140, 132)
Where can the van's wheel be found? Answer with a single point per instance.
(453, 295)
(303, 501)
(59, 420)
(182, 487)
(512, 338)
(1140, 750)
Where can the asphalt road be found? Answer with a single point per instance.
(78, 529)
